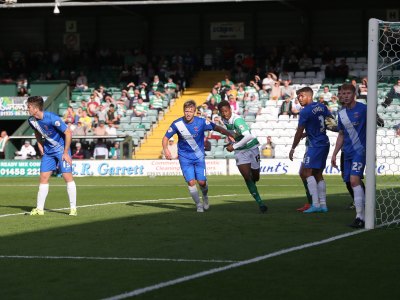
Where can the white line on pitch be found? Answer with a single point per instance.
(120, 202)
(164, 284)
(116, 258)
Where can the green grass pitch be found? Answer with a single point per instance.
(133, 233)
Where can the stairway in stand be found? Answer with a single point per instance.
(151, 147)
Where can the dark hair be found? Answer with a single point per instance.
(306, 90)
(348, 86)
(36, 101)
(222, 104)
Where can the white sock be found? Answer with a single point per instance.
(71, 190)
(322, 192)
(204, 191)
(42, 194)
(194, 193)
(312, 188)
(359, 201)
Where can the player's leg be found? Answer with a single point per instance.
(321, 187)
(248, 162)
(188, 170)
(307, 173)
(321, 156)
(66, 171)
(47, 165)
(348, 184)
(200, 173)
(308, 195)
(356, 174)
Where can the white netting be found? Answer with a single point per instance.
(388, 136)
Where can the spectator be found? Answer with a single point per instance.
(78, 153)
(286, 107)
(92, 106)
(276, 92)
(110, 129)
(269, 80)
(101, 129)
(226, 82)
(333, 106)
(156, 101)
(173, 149)
(27, 151)
(296, 107)
(140, 109)
(287, 90)
(79, 130)
(394, 92)
(156, 85)
(86, 120)
(253, 107)
(321, 100)
(363, 89)
(81, 82)
(100, 150)
(102, 112)
(69, 115)
(234, 104)
(115, 151)
(113, 116)
(326, 94)
(3, 141)
(268, 149)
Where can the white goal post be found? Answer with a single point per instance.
(383, 199)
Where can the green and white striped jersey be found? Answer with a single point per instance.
(237, 126)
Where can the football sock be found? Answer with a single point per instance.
(312, 188)
(321, 186)
(359, 201)
(194, 193)
(350, 189)
(71, 190)
(42, 194)
(204, 191)
(254, 192)
(309, 199)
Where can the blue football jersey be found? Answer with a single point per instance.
(190, 136)
(52, 128)
(353, 123)
(312, 118)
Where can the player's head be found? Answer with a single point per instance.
(347, 94)
(35, 104)
(189, 110)
(225, 110)
(305, 95)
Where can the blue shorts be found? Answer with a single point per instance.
(193, 169)
(353, 167)
(51, 162)
(315, 158)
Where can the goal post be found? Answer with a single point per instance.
(372, 97)
(382, 185)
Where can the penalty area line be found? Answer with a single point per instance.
(212, 271)
(119, 202)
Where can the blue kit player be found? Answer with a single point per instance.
(191, 155)
(352, 125)
(54, 140)
(312, 120)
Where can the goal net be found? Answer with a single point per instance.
(383, 126)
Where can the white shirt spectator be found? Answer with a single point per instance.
(27, 151)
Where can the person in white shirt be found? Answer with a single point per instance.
(3, 142)
(27, 151)
(100, 150)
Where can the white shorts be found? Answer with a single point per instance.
(251, 156)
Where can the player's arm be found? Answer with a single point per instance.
(338, 146)
(167, 153)
(67, 145)
(247, 137)
(223, 131)
(39, 142)
(296, 140)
